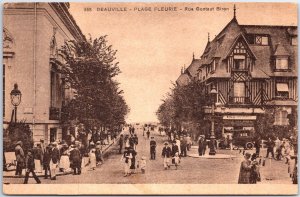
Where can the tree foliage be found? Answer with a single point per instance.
(90, 68)
(184, 104)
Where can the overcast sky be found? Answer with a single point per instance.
(153, 46)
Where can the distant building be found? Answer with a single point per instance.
(32, 35)
(253, 68)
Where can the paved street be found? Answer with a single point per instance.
(192, 170)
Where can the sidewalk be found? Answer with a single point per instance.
(11, 172)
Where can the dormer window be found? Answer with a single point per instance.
(282, 63)
(239, 62)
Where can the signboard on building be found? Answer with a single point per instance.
(238, 117)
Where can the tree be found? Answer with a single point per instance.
(90, 69)
(19, 131)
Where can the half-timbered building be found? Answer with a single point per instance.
(253, 68)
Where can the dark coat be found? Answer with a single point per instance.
(175, 149)
(55, 155)
(152, 145)
(30, 161)
(166, 152)
(245, 171)
(47, 157)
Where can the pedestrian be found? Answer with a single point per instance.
(176, 160)
(189, 142)
(166, 154)
(126, 141)
(245, 170)
(148, 133)
(278, 149)
(152, 148)
(30, 167)
(254, 173)
(175, 148)
(270, 148)
(46, 161)
(133, 160)
(54, 160)
(75, 159)
(257, 146)
(178, 143)
(126, 158)
(38, 157)
(99, 155)
(92, 157)
(64, 163)
(135, 141)
(20, 158)
(142, 164)
(120, 143)
(200, 145)
(183, 146)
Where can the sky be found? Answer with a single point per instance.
(153, 46)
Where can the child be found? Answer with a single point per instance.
(176, 159)
(142, 164)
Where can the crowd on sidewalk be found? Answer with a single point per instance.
(62, 156)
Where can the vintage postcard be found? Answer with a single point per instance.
(150, 98)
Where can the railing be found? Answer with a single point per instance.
(54, 113)
(239, 100)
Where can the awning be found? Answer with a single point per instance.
(282, 87)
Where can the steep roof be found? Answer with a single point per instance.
(193, 67)
(183, 79)
(279, 44)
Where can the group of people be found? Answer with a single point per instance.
(169, 153)
(56, 156)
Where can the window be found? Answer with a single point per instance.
(239, 92)
(239, 62)
(53, 88)
(294, 40)
(261, 40)
(53, 134)
(282, 90)
(282, 63)
(281, 117)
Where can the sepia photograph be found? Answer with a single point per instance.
(150, 98)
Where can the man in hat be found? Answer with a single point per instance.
(30, 167)
(152, 148)
(20, 157)
(175, 148)
(54, 160)
(166, 154)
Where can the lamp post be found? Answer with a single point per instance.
(212, 150)
(15, 97)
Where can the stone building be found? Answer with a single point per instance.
(32, 35)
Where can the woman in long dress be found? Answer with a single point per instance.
(64, 163)
(92, 157)
(245, 170)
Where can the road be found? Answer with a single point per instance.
(191, 170)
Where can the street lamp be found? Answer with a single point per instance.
(15, 97)
(213, 94)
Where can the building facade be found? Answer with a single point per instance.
(254, 71)
(32, 35)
